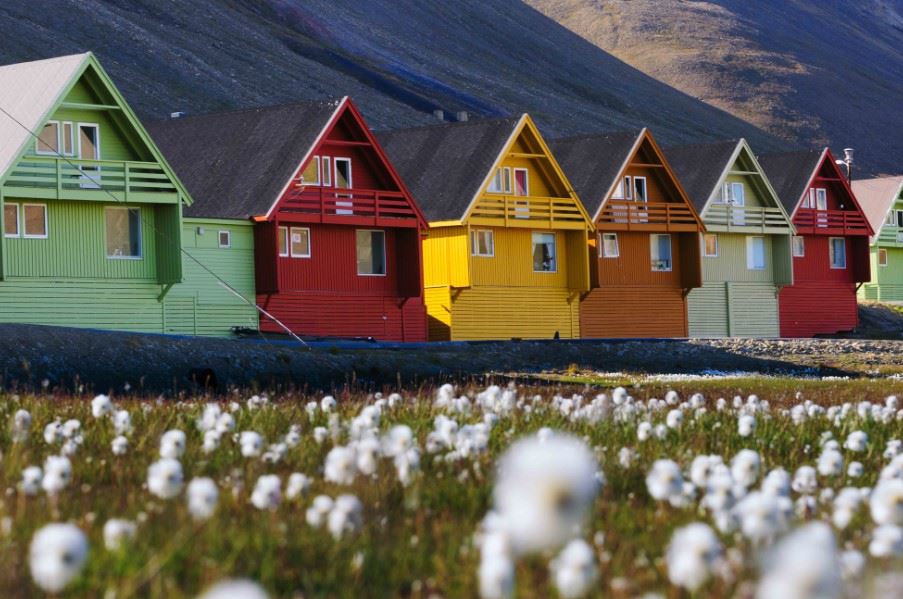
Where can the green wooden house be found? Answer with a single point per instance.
(746, 249)
(882, 201)
(93, 234)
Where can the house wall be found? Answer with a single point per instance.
(633, 266)
(492, 312)
(887, 281)
(633, 311)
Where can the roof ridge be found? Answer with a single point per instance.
(297, 103)
(580, 136)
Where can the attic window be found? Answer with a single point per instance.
(501, 181)
(639, 186)
(899, 218)
(891, 218)
(49, 139)
(624, 190)
(311, 174)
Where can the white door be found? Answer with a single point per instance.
(343, 181)
(738, 203)
(89, 149)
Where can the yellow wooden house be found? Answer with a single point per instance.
(505, 256)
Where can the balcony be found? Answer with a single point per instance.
(364, 207)
(810, 221)
(727, 218)
(656, 217)
(50, 178)
(890, 236)
(528, 212)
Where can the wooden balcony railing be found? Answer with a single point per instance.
(810, 221)
(47, 177)
(891, 235)
(348, 206)
(527, 211)
(726, 217)
(625, 215)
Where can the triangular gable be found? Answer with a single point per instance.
(349, 118)
(36, 90)
(877, 197)
(828, 163)
(526, 134)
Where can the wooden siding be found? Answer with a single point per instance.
(439, 314)
(505, 313)
(734, 309)
(633, 311)
(818, 307)
(633, 266)
(512, 264)
(731, 262)
(887, 281)
(446, 257)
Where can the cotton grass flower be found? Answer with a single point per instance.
(830, 463)
(251, 444)
(803, 565)
(316, 514)
(345, 517)
(746, 425)
(574, 570)
(117, 532)
(57, 474)
(745, 467)
(202, 495)
(857, 441)
(57, 554)
(692, 556)
(101, 406)
(496, 577)
(341, 465)
(297, 485)
(543, 490)
(122, 422)
(235, 589)
(805, 480)
(267, 492)
(664, 480)
(31, 480)
(887, 541)
(164, 478)
(119, 445)
(21, 425)
(172, 444)
(886, 502)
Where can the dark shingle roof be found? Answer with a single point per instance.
(699, 167)
(236, 163)
(790, 173)
(445, 165)
(593, 162)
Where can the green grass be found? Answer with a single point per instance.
(416, 540)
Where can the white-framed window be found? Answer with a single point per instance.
(837, 248)
(311, 173)
(545, 252)
(123, 232)
(501, 181)
(48, 141)
(710, 245)
(628, 188)
(639, 189)
(282, 238)
(343, 180)
(521, 182)
(608, 245)
(755, 253)
(67, 142)
(882, 257)
(34, 221)
(738, 193)
(299, 242)
(482, 243)
(891, 218)
(325, 172)
(623, 185)
(798, 243)
(660, 249)
(224, 238)
(371, 252)
(11, 225)
(899, 218)
(821, 199)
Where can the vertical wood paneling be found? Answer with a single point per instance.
(633, 311)
(731, 263)
(446, 252)
(817, 307)
(512, 265)
(439, 312)
(633, 266)
(505, 313)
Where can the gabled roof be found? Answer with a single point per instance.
(790, 174)
(445, 166)
(594, 162)
(237, 163)
(701, 167)
(877, 197)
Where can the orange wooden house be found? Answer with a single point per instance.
(645, 251)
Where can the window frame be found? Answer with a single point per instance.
(628, 188)
(554, 235)
(72, 139)
(219, 238)
(475, 246)
(734, 185)
(18, 232)
(502, 176)
(891, 218)
(78, 139)
(793, 240)
(24, 221)
(526, 173)
(282, 234)
(705, 245)
(37, 142)
(654, 246)
(832, 254)
(602, 252)
(313, 160)
(636, 191)
(325, 171)
(821, 193)
(385, 253)
(750, 253)
(291, 249)
(106, 232)
(882, 252)
(899, 222)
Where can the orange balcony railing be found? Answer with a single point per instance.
(625, 215)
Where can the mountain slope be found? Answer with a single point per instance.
(811, 72)
(399, 60)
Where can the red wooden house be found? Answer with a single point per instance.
(337, 234)
(831, 248)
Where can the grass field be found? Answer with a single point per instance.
(424, 537)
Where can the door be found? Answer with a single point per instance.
(89, 149)
(343, 181)
(521, 190)
(821, 206)
(738, 202)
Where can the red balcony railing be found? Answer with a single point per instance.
(810, 221)
(350, 206)
(625, 215)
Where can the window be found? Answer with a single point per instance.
(11, 220)
(123, 228)
(891, 218)
(482, 243)
(639, 187)
(521, 182)
(882, 257)
(34, 220)
(660, 246)
(544, 253)
(899, 218)
(371, 253)
(501, 181)
(299, 242)
(324, 170)
(283, 241)
(628, 189)
(225, 239)
(755, 253)
(838, 251)
(738, 194)
(710, 245)
(68, 139)
(342, 180)
(608, 245)
(311, 173)
(799, 246)
(619, 190)
(48, 141)
(821, 199)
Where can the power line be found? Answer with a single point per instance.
(165, 235)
